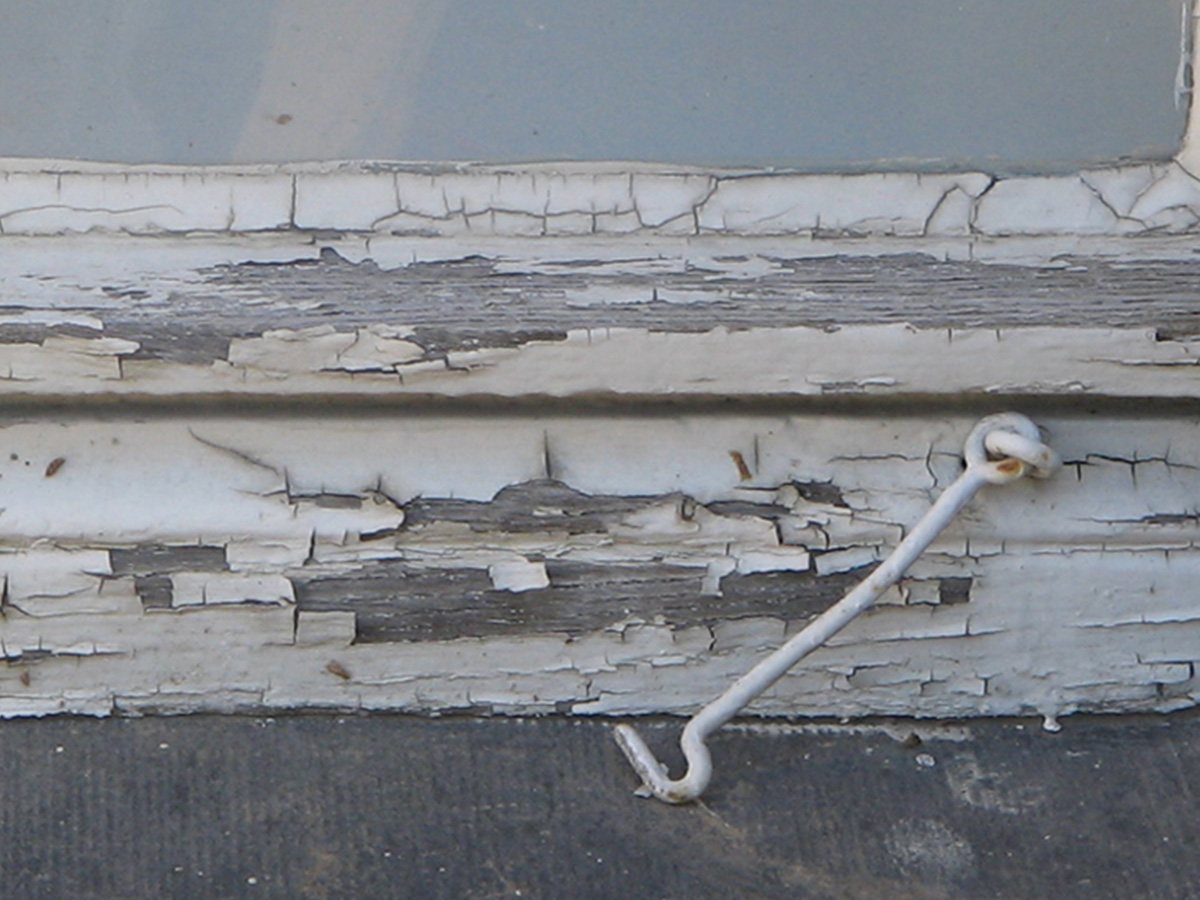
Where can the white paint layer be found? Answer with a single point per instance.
(61, 197)
(874, 360)
(1078, 592)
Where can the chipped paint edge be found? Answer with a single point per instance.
(39, 197)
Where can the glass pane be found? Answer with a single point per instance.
(812, 84)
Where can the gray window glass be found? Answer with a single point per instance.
(1007, 85)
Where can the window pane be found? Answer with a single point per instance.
(812, 84)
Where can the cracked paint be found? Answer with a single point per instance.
(176, 556)
(792, 361)
(989, 623)
(582, 199)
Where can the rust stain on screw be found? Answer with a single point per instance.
(1010, 466)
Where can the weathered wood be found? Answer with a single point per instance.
(481, 302)
(602, 562)
(161, 559)
(392, 602)
(192, 519)
(533, 506)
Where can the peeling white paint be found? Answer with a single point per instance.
(286, 351)
(333, 628)
(771, 560)
(1107, 621)
(56, 202)
(903, 361)
(209, 589)
(1081, 591)
(59, 197)
(518, 575)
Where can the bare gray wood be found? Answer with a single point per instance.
(474, 302)
(394, 602)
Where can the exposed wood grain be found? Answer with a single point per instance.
(602, 559)
(476, 302)
(393, 602)
(162, 559)
(533, 506)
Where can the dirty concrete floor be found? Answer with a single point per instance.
(393, 807)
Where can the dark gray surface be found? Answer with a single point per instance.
(386, 807)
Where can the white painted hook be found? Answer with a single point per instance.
(999, 450)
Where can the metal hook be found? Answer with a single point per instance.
(1000, 449)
